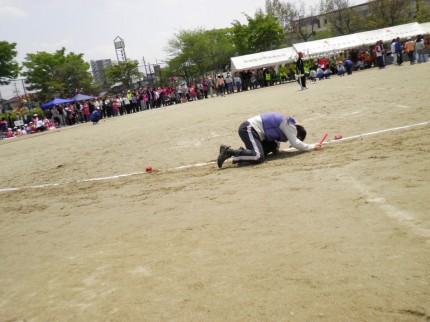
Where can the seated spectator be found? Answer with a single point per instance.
(313, 75)
(49, 124)
(327, 73)
(348, 66)
(167, 99)
(333, 68)
(340, 69)
(320, 73)
(291, 75)
(40, 126)
(32, 127)
(27, 129)
(9, 133)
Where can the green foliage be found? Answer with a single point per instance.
(323, 35)
(9, 68)
(194, 53)
(22, 112)
(262, 33)
(390, 13)
(265, 32)
(197, 52)
(124, 72)
(57, 74)
(423, 11)
(74, 74)
(219, 49)
(278, 9)
(240, 39)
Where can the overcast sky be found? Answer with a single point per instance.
(90, 26)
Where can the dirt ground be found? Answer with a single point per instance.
(340, 234)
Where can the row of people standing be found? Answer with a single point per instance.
(253, 79)
(414, 49)
(131, 101)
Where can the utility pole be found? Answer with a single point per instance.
(16, 89)
(150, 72)
(158, 67)
(1, 104)
(146, 70)
(25, 92)
(144, 64)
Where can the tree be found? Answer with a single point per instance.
(265, 32)
(194, 53)
(190, 50)
(343, 19)
(220, 48)
(285, 12)
(57, 74)
(385, 13)
(303, 26)
(124, 72)
(262, 33)
(278, 9)
(73, 73)
(298, 23)
(9, 68)
(240, 38)
(422, 11)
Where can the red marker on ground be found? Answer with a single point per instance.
(148, 169)
(323, 138)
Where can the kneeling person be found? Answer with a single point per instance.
(95, 116)
(262, 135)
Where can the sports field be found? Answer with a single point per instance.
(340, 234)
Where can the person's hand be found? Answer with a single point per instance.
(318, 146)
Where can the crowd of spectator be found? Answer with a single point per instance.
(146, 98)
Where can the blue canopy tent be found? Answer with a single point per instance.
(82, 97)
(56, 101)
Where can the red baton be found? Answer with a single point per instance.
(323, 138)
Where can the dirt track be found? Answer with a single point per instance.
(341, 234)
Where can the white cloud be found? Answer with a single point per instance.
(7, 10)
(52, 47)
(100, 52)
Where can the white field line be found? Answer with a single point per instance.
(403, 217)
(382, 131)
(198, 164)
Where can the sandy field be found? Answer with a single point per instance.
(340, 234)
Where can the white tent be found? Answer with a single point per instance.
(426, 27)
(328, 45)
(263, 59)
(390, 33)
